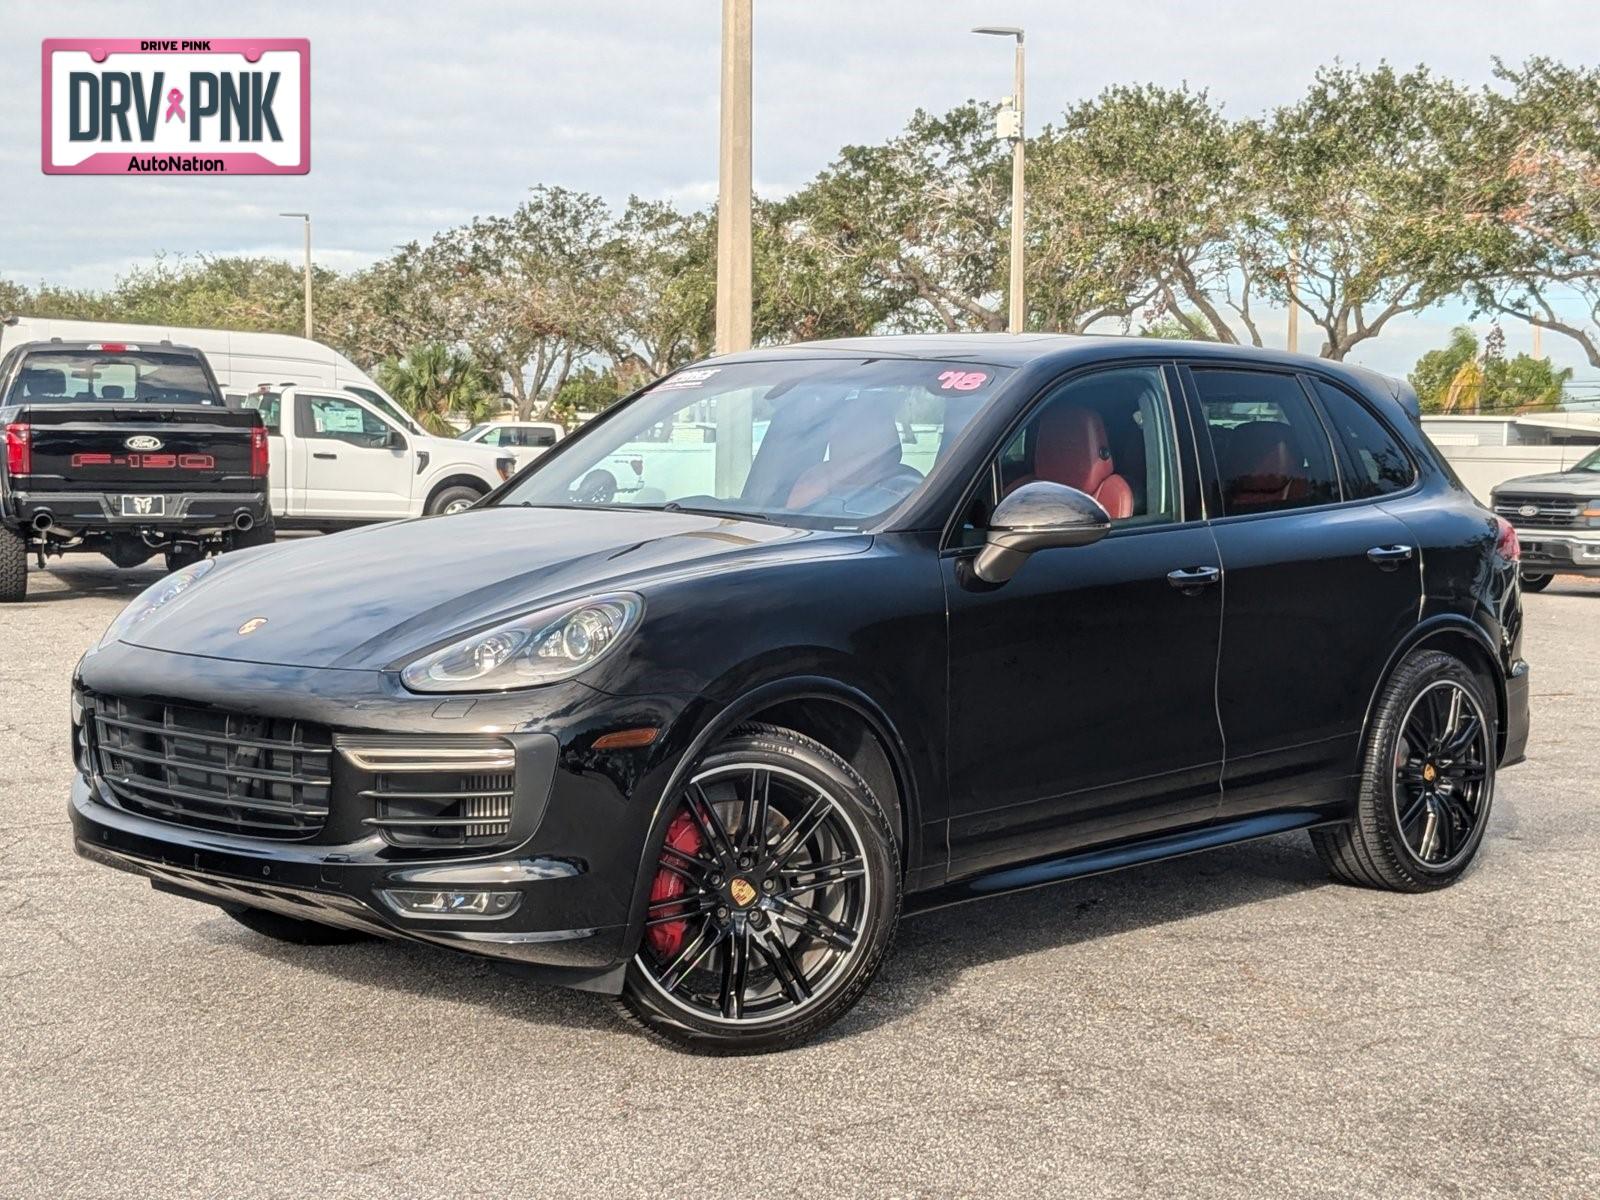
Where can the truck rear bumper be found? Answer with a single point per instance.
(91, 512)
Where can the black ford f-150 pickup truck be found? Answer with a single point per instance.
(127, 451)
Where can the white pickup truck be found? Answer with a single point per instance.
(336, 459)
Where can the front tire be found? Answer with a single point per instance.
(13, 567)
(453, 500)
(1536, 583)
(290, 929)
(1427, 781)
(774, 901)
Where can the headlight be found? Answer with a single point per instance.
(154, 597)
(543, 647)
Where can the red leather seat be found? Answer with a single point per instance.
(1262, 467)
(863, 448)
(1071, 448)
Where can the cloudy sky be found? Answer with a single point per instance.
(425, 114)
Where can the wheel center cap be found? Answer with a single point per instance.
(742, 891)
(1429, 772)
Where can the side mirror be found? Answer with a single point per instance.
(1038, 516)
(395, 441)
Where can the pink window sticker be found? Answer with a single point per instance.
(962, 381)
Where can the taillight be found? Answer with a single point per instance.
(1507, 544)
(19, 450)
(258, 451)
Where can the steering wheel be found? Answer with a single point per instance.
(597, 487)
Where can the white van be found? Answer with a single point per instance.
(342, 452)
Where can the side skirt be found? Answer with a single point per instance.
(1114, 858)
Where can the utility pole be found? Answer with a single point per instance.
(1009, 124)
(733, 191)
(306, 218)
(1294, 304)
(1538, 342)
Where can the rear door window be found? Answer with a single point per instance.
(1271, 449)
(1370, 460)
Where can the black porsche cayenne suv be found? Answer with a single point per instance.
(794, 641)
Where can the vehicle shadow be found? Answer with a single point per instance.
(55, 583)
(931, 952)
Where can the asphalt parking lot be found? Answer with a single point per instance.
(1229, 1025)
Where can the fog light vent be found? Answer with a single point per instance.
(437, 793)
(417, 903)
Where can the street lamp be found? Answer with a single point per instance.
(1008, 124)
(306, 217)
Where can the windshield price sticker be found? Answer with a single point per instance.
(214, 106)
(962, 381)
(688, 379)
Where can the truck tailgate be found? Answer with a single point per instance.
(78, 447)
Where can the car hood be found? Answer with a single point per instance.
(374, 597)
(1559, 483)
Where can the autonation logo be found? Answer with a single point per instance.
(214, 106)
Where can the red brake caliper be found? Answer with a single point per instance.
(666, 939)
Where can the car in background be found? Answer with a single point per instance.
(125, 450)
(936, 618)
(1557, 518)
(340, 459)
(523, 440)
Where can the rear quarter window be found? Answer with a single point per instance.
(1371, 462)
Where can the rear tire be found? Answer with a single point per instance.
(1423, 801)
(775, 941)
(13, 567)
(453, 500)
(1536, 583)
(289, 929)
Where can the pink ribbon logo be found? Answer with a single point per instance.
(175, 105)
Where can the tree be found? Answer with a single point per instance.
(1458, 378)
(1356, 184)
(915, 225)
(433, 381)
(1537, 201)
(659, 288)
(1136, 202)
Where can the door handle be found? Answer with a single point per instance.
(1389, 557)
(320, 454)
(1190, 579)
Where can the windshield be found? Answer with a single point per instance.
(827, 443)
(477, 431)
(1590, 462)
(88, 376)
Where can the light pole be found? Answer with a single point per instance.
(306, 217)
(1009, 125)
(733, 191)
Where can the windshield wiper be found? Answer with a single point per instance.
(673, 506)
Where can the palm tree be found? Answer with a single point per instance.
(432, 381)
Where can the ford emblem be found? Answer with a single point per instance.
(143, 441)
(1528, 510)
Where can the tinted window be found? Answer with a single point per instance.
(1370, 460)
(538, 437)
(825, 442)
(88, 376)
(1272, 452)
(1107, 434)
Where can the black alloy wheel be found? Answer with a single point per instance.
(773, 901)
(1427, 780)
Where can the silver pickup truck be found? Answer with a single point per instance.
(1557, 518)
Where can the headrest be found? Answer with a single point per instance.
(1072, 448)
(111, 391)
(44, 381)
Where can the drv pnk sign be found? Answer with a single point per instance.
(212, 106)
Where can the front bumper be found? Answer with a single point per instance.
(1559, 552)
(183, 512)
(583, 824)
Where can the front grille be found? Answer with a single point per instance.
(442, 793)
(1550, 512)
(257, 776)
